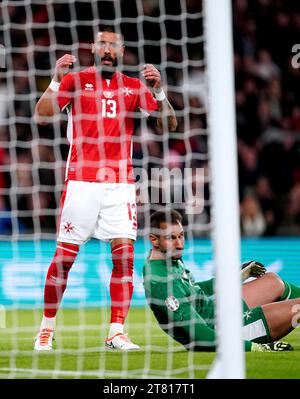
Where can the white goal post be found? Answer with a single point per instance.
(224, 187)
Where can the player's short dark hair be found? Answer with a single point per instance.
(106, 28)
(165, 216)
(109, 28)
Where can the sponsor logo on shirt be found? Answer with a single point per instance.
(89, 86)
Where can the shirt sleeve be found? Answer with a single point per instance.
(207, 286)
(146, 102)
(181, 320)
(66, 88)
(194, 333)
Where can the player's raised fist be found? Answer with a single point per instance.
(62, 66)
(152, 76)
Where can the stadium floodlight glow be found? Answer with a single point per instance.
(225, 204)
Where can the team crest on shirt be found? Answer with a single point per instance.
(172, 303)
(127, 91)
(108, 94)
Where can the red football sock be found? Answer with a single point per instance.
(121, 285)
(57, 276)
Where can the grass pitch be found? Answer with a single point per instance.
(79, 350)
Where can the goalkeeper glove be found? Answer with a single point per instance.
(252, 269)
(277, 346)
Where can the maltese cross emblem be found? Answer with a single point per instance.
(247, 314)
(68, 227)
(127, 91)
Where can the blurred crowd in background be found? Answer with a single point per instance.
(32, 158)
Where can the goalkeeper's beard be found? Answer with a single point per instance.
(106, 71)
(171, 254)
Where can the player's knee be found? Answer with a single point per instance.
(65, 256)
(277, 283)
(273, 277)
(122, 258)
(63, 263)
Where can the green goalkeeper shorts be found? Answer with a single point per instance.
(255, 328)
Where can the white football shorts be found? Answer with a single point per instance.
(101, 210)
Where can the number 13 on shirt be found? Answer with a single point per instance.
(109, 108)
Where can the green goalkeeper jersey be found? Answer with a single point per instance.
(182, 307)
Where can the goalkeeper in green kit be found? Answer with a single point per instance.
(185, 309)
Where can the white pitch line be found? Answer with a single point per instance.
(147, 349)
(88, 327)
(99, 373)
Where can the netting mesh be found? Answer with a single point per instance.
(168, 34)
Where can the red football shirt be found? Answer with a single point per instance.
(101, 121)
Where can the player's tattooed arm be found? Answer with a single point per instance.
(47, 105)
(165, 109)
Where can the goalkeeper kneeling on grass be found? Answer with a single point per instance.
(185, 309)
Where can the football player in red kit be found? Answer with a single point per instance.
(99, 195)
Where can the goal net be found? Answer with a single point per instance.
(171, 168)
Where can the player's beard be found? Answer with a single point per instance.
(172, 254)
(107, 71)
(177, 255)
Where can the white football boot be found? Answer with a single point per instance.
(44, 340)
(120, 342)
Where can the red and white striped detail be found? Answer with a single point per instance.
(67, 249)
(117, 248)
